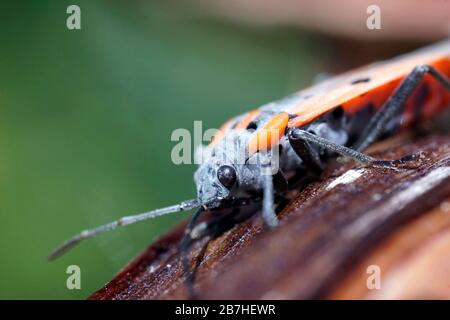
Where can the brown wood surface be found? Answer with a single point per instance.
(352, 218)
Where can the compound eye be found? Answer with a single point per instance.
(226, 176)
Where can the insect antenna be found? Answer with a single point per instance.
(90, 233)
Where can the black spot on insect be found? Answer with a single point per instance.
(292, 116)
(252, 126)
(280, 148)
(337, 113)
(360, 80)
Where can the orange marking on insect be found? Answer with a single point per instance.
(247, 119)
(270, 134)
(438, 98)
(357, 89)
(382, 80)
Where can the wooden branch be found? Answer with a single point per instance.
(330, 235)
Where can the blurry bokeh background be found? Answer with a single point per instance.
(86, 118)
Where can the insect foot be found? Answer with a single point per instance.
(410, 161)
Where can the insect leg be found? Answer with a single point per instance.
(220, 224)
(268, 212)
(296, 134)
(309, 156)
(213, 228)
(185, 245)
(395, 103)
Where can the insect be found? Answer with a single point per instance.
(340, 116)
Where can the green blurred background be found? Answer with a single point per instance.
(86, 118)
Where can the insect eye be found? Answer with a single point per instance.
(226, 176)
